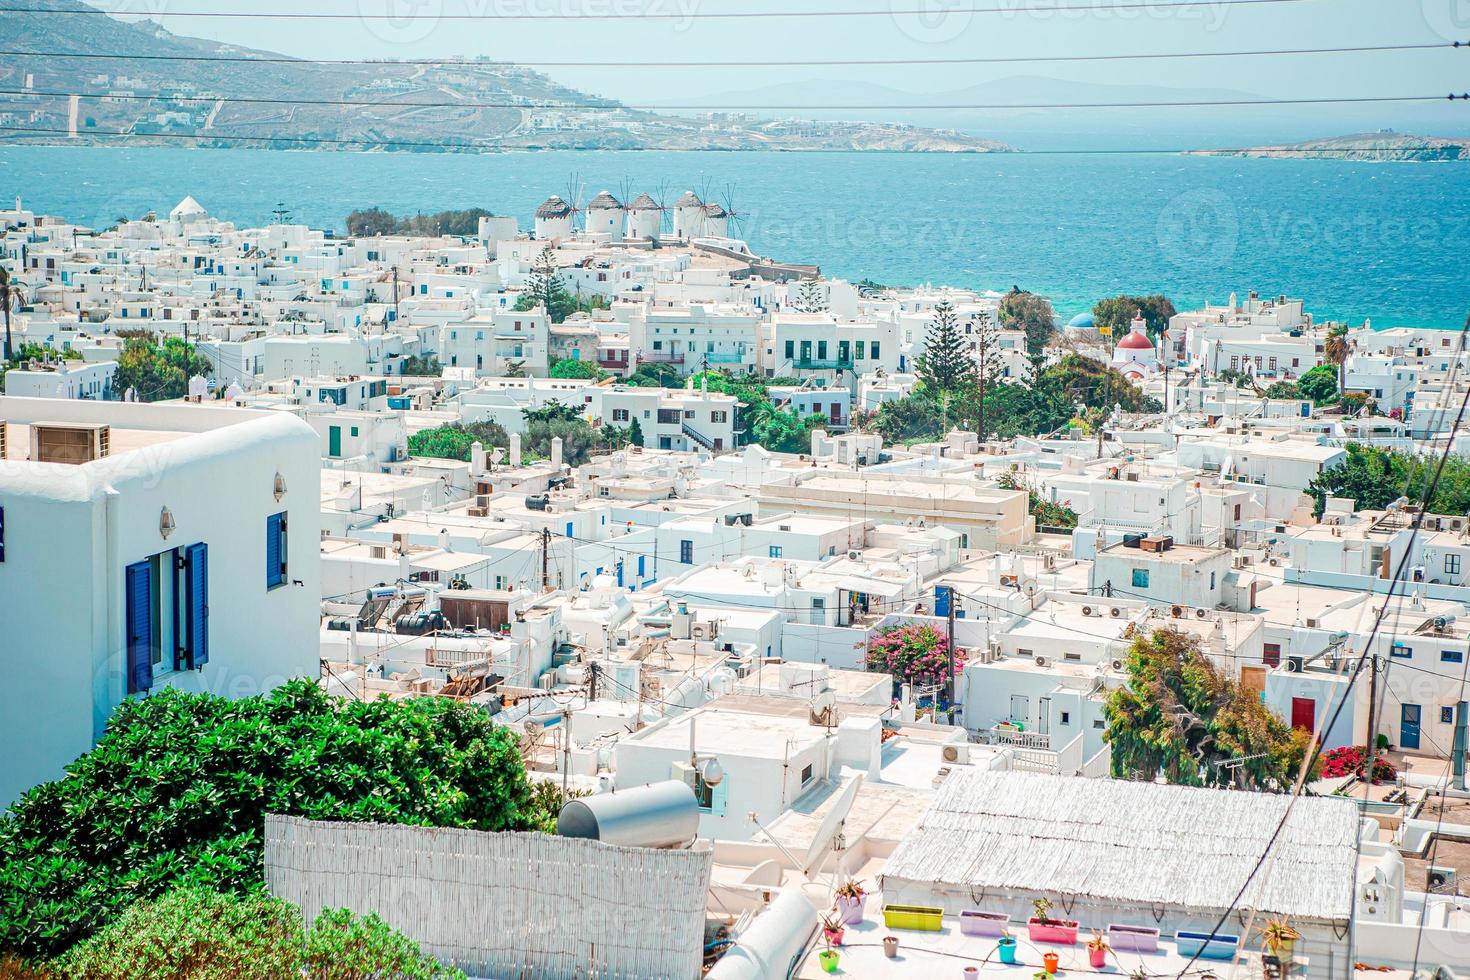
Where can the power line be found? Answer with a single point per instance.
(472, 63)
(606, 106)
(1062, 8)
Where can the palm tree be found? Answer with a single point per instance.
(9, 293)
(1335, 350)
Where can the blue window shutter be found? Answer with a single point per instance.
(273, 551)
(640, 566)
(941, 600)
(718, 796)
(138, 578)
(569, 529)
(198, 612)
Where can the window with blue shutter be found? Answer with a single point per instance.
(196, 615)
(570, 528)
(275, 550)
(719, 796)
(138, 579)
(640, 565)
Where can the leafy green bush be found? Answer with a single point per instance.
(177, 789)
(196, 934)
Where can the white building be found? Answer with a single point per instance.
(148, 546)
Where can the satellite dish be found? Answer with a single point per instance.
(497, 455)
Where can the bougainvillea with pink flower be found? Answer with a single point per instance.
(1351, 760)
(913, 652)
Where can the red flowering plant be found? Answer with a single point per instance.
(913, 653)
(1352, 760)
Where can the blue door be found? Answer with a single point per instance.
(1409, 727)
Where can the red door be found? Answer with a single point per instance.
(836, 413)
(1304, 714)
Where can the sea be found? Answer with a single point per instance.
(1386, 242)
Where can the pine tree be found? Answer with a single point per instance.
(945, 366)
(809, 298)
(635, 433)
(987, 366)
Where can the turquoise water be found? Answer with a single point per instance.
(1386, 241)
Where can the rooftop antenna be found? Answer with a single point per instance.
(281, 213)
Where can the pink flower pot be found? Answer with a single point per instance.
(1059, 932)
(1097, 958)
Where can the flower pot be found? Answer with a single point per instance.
(828, 958)
(851, 909)
(974, 922)
(1206, 948)
(972, 973)
(924, 918)
(1052, 961)
(890, 946)
(1097, 958)
(1133, 939)
(1059, 932)
(1284, 950)
(1007, 949)
(833, 936)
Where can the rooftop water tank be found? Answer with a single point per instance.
(662, 814)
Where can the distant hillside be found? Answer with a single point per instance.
(519, 119)
(1384, 147)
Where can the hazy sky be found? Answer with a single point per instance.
(942, 33)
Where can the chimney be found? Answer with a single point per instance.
(556, 453)
(515, 449)
(477, 459)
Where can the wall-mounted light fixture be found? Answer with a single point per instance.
(280, 486)
(166, 523)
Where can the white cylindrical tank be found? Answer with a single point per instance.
(688, 216)
(662, 814)
(769, 944)
(554, 219)
(604, 216)
(645, 219)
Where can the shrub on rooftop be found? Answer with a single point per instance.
(177, 789)
(913, 653)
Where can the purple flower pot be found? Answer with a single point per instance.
(974, 922)
(851, 909)
(1133, 939)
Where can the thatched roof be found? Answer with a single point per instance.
(643, 203)
(1131, 842)
(604, 202)
(688, 200)
(715, 210)
(553, 207)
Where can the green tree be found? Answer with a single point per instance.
(177, 789)
(1335, 350)
(946, 365)
(656, 374)
(453, 440)
(635, 433)
(1180, 717)
(1094, 384)
(1377, 477)
(913, 653)
(573, 368)
(1319, 384)
(1048, 513)
(1020, 310)
(371, 223)
(544, 289)
(427, 366)
(10, 295)
(808, 297)
(786, 431)
(192, 933)
(158, 372)
(914, 417)
(1117, 312)
(1284, 389)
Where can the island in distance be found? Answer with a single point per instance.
(171, 89)
(1384, 146)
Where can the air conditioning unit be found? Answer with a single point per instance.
(1043, 661)
(67, 442)
(1295, 665)
(1201, 613)
(854, 555)
(1273, 561)
(1176, 611)
(955, 752)
(1441, 879)
(1087, 610)
(707, 630)
(1117, 663)
(1115, 612)
(477, 512)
